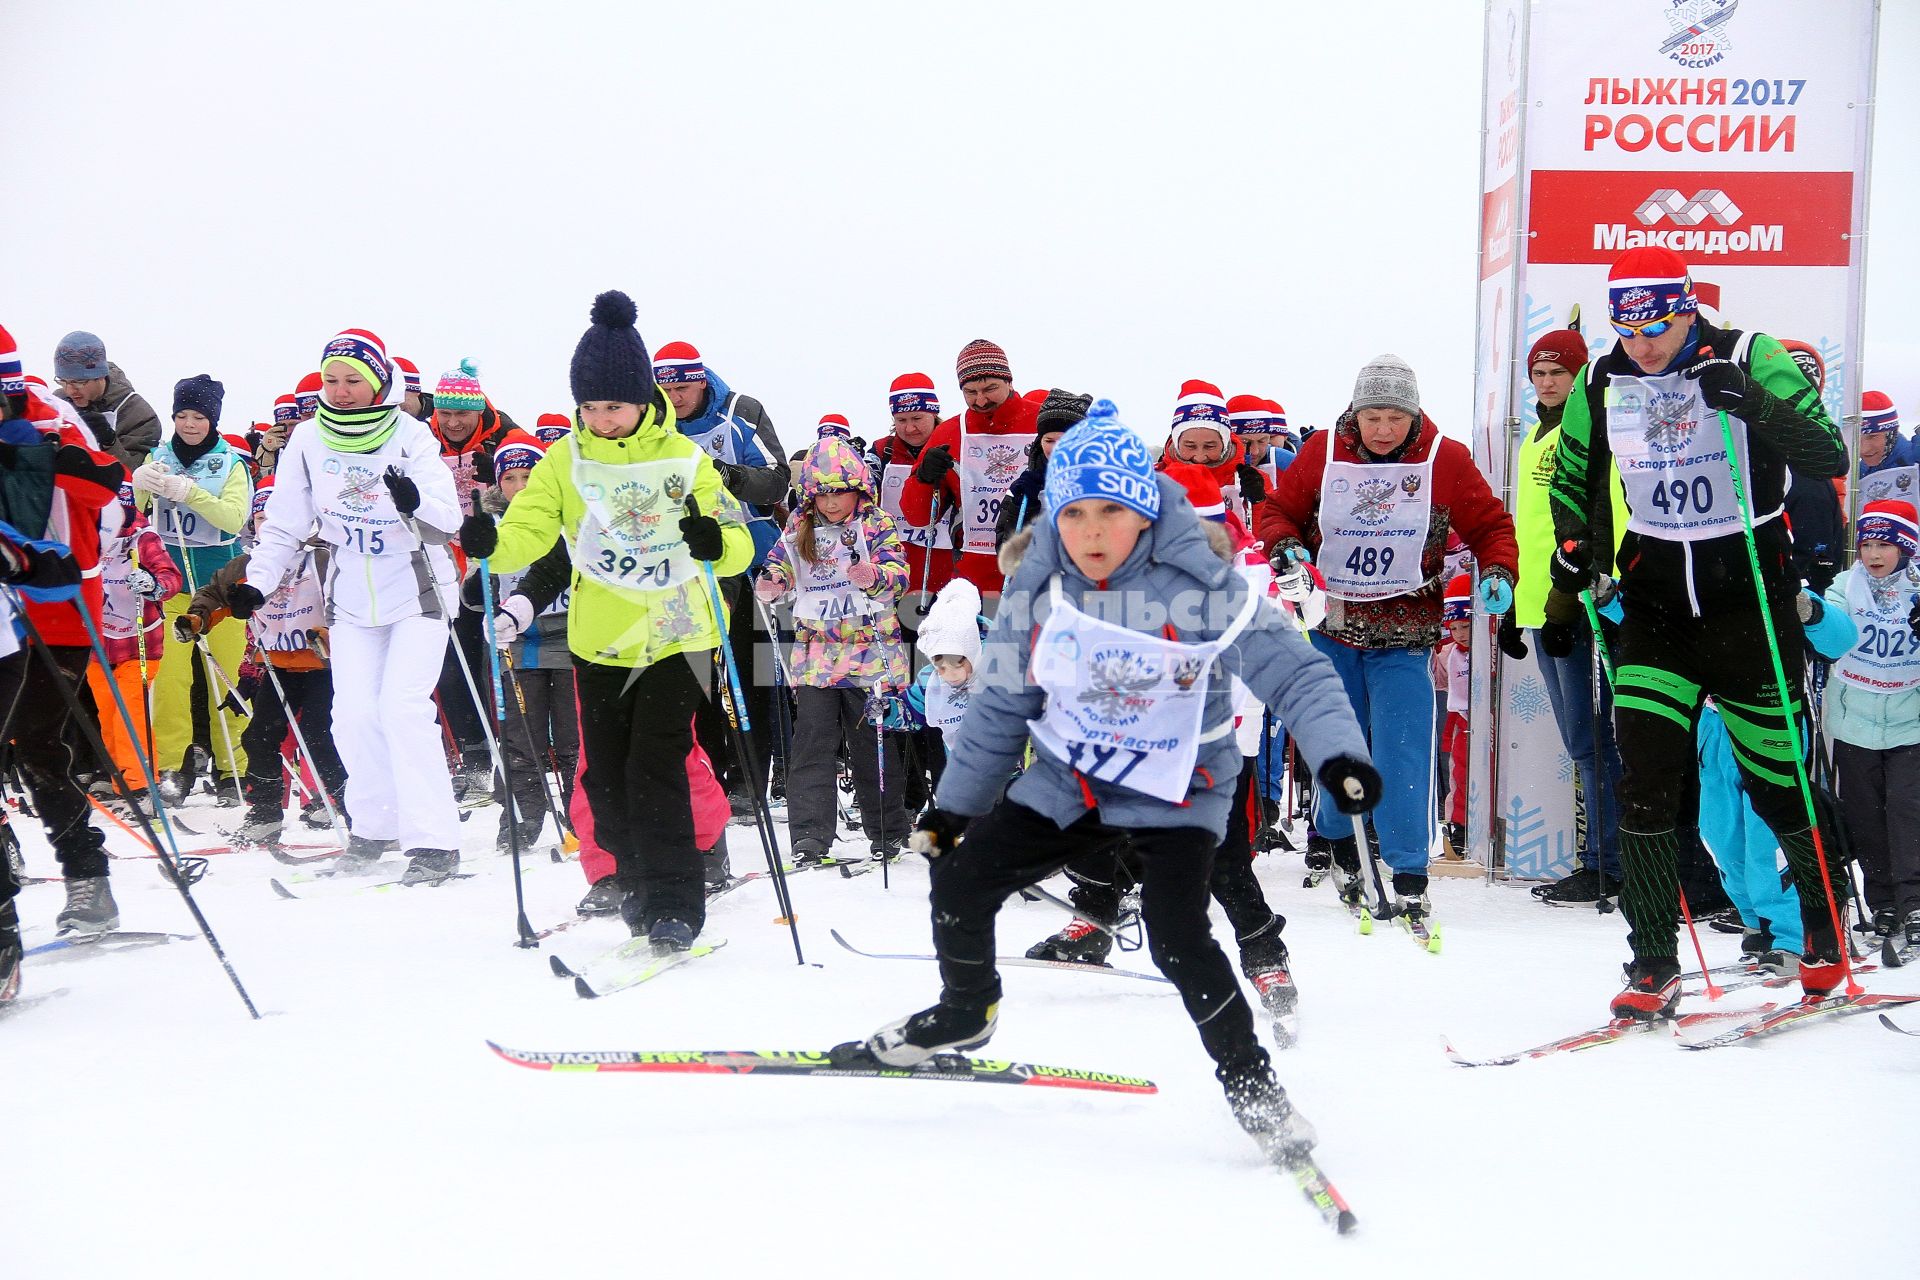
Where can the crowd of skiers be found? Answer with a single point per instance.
(1030, 642)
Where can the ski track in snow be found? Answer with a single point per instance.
(362, 1128)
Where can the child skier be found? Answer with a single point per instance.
(1455, 655)
(840, 554)
(136, 574)
(1873, 713)
(1132, 728)
(371, 479)
(950, 638)
(289, 631)
(650, 524)
(199, 491)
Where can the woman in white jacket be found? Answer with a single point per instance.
(371, 480)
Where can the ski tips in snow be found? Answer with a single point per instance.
(848, 1060)
(1891, 1025)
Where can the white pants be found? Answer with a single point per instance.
(384, 727)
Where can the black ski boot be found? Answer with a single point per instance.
(1319, 860)
(603, 899)
(262, 827)
(90, 909)
(16, 857)
(713, 866)
(955, 1025)
(1264, 1111)
(1264, 961)
(1652, 990)
(361, 857)
(1346, 874)
(10, 951)
(668, 934)
(809, 853)
(1083, 941)
(430, 866)
(530, 829)
(1583, 888)
(1911, 927)
(1756, 943)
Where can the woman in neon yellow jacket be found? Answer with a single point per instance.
(198, 494)
(618, 487)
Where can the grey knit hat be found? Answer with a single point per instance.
(80, 357)
(1387, 382)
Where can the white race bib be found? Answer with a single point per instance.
(988, 464)
(119, 612)
(1886, 658)
(1901, 484)
(356, 513)
(292, 611)
(629, 538)
(1373, 527)
(946, 704)
(1673, 459)
(822, 590)
(1124, 706)
(893, 480)
(178, 524)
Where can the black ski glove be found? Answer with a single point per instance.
(934, 465)
(1353, 785)
(732, 475)
(186, 627)
(1913, 618)
(1572, 567)
(1253, 485)
(1723, 384)
(25, 566)
(1556, 639)
(479, 537)
(703, 537)
(937, 832)
(1512, 643)
(406, 494)
(243, 599)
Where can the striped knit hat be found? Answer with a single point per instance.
(1280, 426)
(13, 378)
(518, 451)
(913, 393)
(551, 427)
(1889, 520)
(1458, 606)
(261, 493)
(307, 395)
(459, 390)
(1202, 405)
(1877, 413)
(678, 362)
(286, 410)
(835, 424)
(409, 371)
(1203, 490)
(982, 359)
(362, 350)
(1249, 416)
(1647, 283)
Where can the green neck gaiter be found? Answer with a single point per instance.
(356, 430)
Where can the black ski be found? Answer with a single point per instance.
(1891, 1025)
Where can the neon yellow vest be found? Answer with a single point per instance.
(1533, 520)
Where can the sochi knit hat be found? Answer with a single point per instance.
(610, 362)
(1877, 413)
(517, 451)
(79, 357)
(551, 427)
(982, 359)
(459, 389)
(1647, 283)
(678, 362)
(1889, 520)
(1102, 458)
(200, 394)
(1563, 347)
(1387, 382)
(913, 393)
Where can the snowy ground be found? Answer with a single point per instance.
(363, 1129)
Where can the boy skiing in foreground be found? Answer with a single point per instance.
(1113, 647)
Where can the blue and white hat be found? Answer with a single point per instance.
(1102, 458)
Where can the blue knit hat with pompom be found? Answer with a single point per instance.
(611, 361)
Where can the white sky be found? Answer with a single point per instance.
(820, 196)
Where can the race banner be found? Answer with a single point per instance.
(1735, 132)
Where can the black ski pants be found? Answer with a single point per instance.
(35, 717)
(636, 728)
(546, 735)
(825, 719)
(1012, 846)
(309, 696)
(753, 658)
(1880, 796)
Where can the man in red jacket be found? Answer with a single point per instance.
(53, 485)
(971, 459)
(1371, 502)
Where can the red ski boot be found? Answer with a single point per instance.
(1652, 990)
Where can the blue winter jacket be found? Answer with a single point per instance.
(748, 452)
(1180, 564)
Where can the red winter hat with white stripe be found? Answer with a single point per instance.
(1248, 416)
(307, 394)
(1279, 418)
(1202, 405)
(410, 372)
(517, 451)
(1458, 605)
(678, 362)
(363, 350)
(286, 410)
(1877, 413)
(835, 424)
(1889, 520)
(913, 393)
(13, 378)
(1203, 490)
(1648, 283)
(261, 492)
(551, 427)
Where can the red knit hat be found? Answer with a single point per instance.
(286, 410)
(678, 362)
(1877, 413)
(835, 424)
(410, 372)
(1889, 520)
(551, 427)
(1563, 347)
(1648, 283)
(240, 446)
(261, 492)
(913, 393)
(982, 359)
(1249, 416)
(307, 394)
(1202, 405)
(1458, 606)
(13, 379)
(363, 349)
(517, 451)
(1203, 491)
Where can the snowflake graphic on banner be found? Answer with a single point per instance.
(1533, 851)
(1565, 770)
(1529, 699)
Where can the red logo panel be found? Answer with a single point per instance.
(1746, 219)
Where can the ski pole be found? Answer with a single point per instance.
(736, 706)
(567, 838)
(219, 706)
(1597, 802)
(1605, 662)
(880, 756)
(140, 647)
(169, 857)
(1786, 712)
(783, 686)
